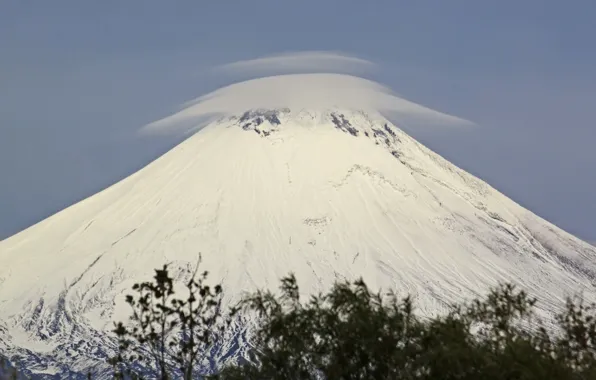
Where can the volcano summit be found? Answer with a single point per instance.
(326, 194)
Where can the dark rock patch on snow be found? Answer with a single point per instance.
(343, 124)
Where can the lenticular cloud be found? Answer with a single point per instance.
(326, 86)
(303, 91)
(296, 62)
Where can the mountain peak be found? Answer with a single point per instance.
(325, 193)
(267, 121)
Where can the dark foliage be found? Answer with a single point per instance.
(6, 370)
(168, 334)
(353, 333)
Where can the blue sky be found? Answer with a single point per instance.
(78, 79)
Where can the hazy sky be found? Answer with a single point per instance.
(78, 80)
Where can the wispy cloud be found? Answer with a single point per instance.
(315, 91)
(319, 61)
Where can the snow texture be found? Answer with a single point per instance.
(327, 194)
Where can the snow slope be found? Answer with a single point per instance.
(326, 194)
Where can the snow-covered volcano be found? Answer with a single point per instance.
(325, 194)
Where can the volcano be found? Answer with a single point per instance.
(327, 194)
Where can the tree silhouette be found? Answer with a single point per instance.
(352, 333)
(168, 334)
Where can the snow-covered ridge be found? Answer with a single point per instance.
(358, 123)
(354, 122)
(326, 194)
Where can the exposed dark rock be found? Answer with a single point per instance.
(388, 129)
(250, 120)
(342, 123)
(271, 116)
(379, 133)
(245, 116)
(258, 117)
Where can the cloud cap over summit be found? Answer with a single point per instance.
(297, 91)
